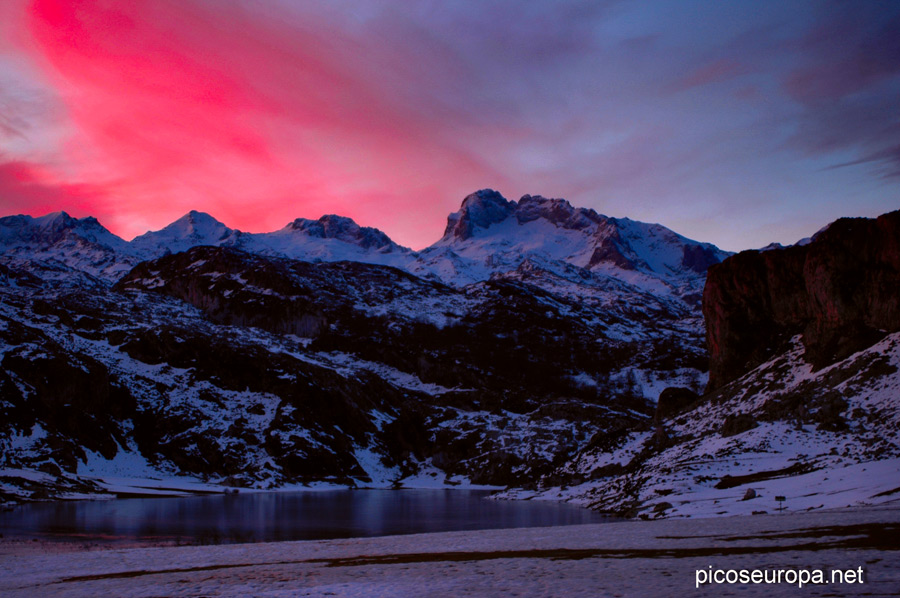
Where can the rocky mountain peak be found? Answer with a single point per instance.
(56, 220)
(490, 235)
(332, 226)
(478, 211)
(558, 211)
(53, 228)
(198, 219)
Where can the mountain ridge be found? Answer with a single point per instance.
(470, 250)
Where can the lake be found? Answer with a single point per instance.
(278, 516)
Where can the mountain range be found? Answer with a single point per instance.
(488, 235)
(536, 346)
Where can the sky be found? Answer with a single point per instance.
(737, 123)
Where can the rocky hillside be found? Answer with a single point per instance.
(803, 400)
(235, 363)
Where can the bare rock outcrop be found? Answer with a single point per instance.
(841, 291)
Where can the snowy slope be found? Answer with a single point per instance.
(330, 238)
(822, 439)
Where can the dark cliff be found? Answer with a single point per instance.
(841, 292)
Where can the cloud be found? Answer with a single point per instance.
(212, 106)
(391, 112)
(845, 55)
(888, 157)
(848, 87)
(24, 188)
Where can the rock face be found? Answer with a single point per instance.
(478, 211)
(840, 292)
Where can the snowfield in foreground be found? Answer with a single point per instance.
(658, 558)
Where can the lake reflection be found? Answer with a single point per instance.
(274, 516)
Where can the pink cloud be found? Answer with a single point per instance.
(193, 105)
(27, 188)
(391, 112)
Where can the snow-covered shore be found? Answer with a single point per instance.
(633, 558)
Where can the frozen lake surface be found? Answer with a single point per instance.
(280, 516)
(620, 559)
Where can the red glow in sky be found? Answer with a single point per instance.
(181, 105)
(260, 112)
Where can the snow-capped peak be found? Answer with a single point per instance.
(478, 211)
(192, 229)
(55, 221)
(25, 231)
(490, 235)
(57, 243)
(330, 238)
(343, 229)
